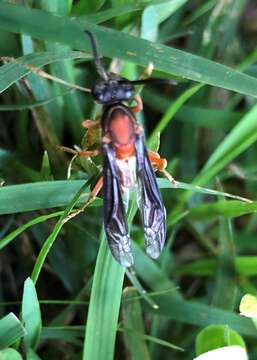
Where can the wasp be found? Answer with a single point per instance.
(127, 164)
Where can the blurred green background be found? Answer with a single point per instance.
(84, 304)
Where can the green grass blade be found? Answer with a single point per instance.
(222, 208)
(71, 110)
(166, 184)
(14, 70)
(31, 315)
(171, 111)
(64, 333)
(209, 118)
(243, 135)
(150, 338)
(151, 274)
(31, 355)
(11, 330)
(153, 15)
(46, 26)
(8, 238)
(104, 306)
(32, 104)
(225, 286)
(133, 320)
(202, 315)
(52, 237)
(39, 195)
(245, 266)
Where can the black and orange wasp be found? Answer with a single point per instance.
(126, 163)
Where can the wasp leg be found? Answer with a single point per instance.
(98, 186)
(160, 164)
(82, 153)
(91, 124)
(139, 106)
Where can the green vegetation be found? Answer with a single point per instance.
(70, 298)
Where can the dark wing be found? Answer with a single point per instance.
(151, 205)
(115, 223)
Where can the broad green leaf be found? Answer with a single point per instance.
(217, 336)
(248, 306)
(31, 315)
(11, 330)
(61, 29)
(102, 318)
(10, 354)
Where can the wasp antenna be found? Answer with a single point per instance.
(97, 58)
(154, 81)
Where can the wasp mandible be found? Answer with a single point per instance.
(126, 164)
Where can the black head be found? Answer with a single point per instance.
(115, 89)
(112, 88)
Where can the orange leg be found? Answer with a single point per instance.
(98, 186)
(139, 106)
(160, 165)
(91, 124)
(158, 162)
(83, 153)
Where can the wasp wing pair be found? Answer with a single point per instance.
(151, 205)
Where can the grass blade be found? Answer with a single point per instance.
(17, 18)
(104, 306)
(8, 238)
(18, 68)
(39, 195)
(11, 330)
(133, 321)
(31, 315)
(52, 237)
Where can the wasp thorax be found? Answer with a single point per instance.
(112, 91)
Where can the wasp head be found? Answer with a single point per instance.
(114, 89)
